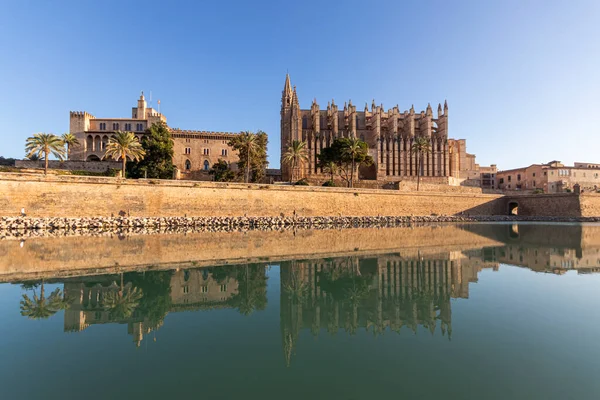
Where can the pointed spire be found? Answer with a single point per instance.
(366, 107)
(445, 106)
(287, 87)
(429, 111)
(412, 109)
(373, 105)
(439, 109)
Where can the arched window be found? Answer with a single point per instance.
(304, 122)
(89, 143)
(188, 165)
(206, 165)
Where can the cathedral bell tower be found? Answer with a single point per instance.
(291, 121)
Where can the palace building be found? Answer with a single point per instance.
(389, 135)
(194, 151)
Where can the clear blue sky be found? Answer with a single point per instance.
(522, 78)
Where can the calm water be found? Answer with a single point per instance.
(518, 318)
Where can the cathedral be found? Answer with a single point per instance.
(389, 135)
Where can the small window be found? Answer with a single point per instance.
(186, 289)
(223, 288)
(534, 174)
(206, 165)
(204, 289)
(518, 177)
(545, 173)
(509, 178)
(188, 165)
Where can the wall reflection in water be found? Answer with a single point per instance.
(407, 291)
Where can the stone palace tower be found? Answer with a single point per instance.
(388, 133)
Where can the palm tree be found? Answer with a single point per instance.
(295, 154)
(247, 147)
(122, 303)
(123, 145)
(69, 140)
(421, 146)
(42, 307)
(353, 149)
(331, 168)
(45, 144)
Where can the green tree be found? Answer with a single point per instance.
(122, 303)
(252, 289)
(157, 163)
(356, 151)
(123, 145)
(420, 147)
(41, 307)
(44, 144)
(252, 151)
(331, 168)
(221, 172)
(8, 162)
(294, 156)
(69, 140)
(347, 154)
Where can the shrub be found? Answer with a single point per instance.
(302, 182)
(329, 183)
(568, 190)
(538, 191)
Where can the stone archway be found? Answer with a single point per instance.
(513, 208)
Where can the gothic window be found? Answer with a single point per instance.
(224, 152)
(304, 122)
(103, 126)
(89, 142)
(206, 165)
(188, 165)
(115, 126)
(188, 150)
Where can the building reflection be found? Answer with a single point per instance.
(162, 292)
(390, 292)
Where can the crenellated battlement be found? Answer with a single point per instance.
(177, 131)
(81, 114)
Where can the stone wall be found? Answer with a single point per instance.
(590, 204)
(68, 256)
(549, 205)
(68, 196)
(91, 166)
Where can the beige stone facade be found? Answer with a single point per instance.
(195, 152)
(388, 133)
(553, 177)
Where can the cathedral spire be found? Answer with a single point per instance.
(445, 107)
(286, 95)
(287, 87)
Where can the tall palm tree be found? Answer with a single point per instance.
(42, 307)
(353, 149)
(331, 168)
(45, 144)
(295, 155)
(69, 140)
(248, 145)
(420, 147)
(123, 145)
(122, 303)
